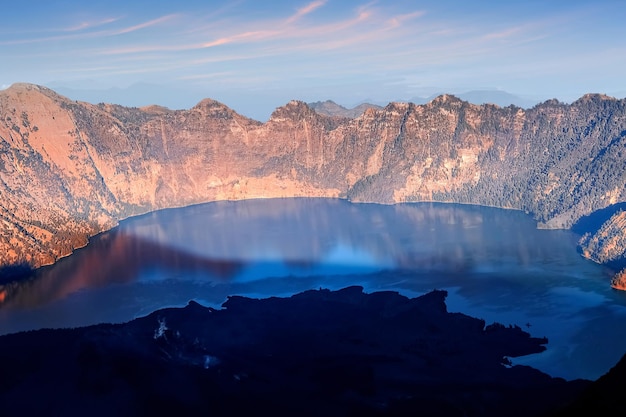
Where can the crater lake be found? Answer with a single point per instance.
(494, 263)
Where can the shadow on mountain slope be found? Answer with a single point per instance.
(594, 221)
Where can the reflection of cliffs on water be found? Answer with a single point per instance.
(112, 258)
(424, 235)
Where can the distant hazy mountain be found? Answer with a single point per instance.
(498, 97)
(501, 98)
(330, 108)
(70, 169)
(174, 96)
(180, 97)
(135, 95)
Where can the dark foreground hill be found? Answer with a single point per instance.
(69, 170)
(316, 353)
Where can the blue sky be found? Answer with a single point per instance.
(255, 55)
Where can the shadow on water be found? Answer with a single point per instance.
(15, 272)
(111, 258)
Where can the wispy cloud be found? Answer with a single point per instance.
(399, 20)
(309, 8)
(317, 39)
(253, 36)
(361, 30)
(84, 25)
(260, 39)
(81, 32)
(144, 25)
(141, 49)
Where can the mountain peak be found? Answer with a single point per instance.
(23, 86)
(214, 108)
(398, 106)
(155, 109)
(28, 96)
(595, 97)
(446, 98)
(294, 109)
(28, 87)
(209, 102)
(21, 90)
(296, 103)
(551, 102)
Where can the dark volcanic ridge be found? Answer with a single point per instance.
(316, 353)
(69, 170)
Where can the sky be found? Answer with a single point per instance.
(255, 56)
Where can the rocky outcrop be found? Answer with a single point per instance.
(619, 280)
(71, 169)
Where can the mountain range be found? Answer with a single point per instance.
(256, 104)
(70, 169)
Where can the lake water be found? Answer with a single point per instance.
(495, 264)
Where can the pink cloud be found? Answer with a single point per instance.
(397, 21)
(253, 36)
(78, 32)
(306, 10)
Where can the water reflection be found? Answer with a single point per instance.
(431, 236)
(495, 264)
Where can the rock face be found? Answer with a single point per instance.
(316, 353)
(70, 169)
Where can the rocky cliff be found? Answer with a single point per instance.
(71, 169)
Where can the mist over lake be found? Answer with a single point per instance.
(494, 263)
